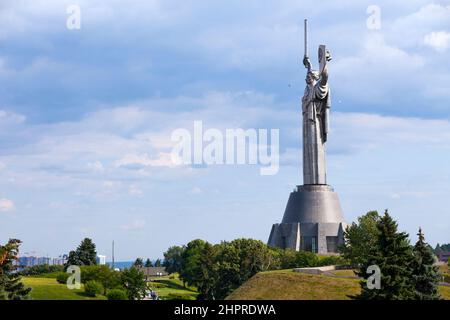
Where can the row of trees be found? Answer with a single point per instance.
(139, 263)
(217, 270)
(407, 272)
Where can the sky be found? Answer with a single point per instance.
(86, 117)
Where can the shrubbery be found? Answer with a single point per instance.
(62, 277)
(92, 288)
(289, 259)
(332, 261)
(41, 269)
(117, 294)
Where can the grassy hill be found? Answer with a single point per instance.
(289, 285)
(50, 289)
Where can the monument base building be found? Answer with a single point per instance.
(313, 221)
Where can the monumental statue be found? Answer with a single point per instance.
(313, 218)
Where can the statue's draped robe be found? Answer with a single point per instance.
(316, 103)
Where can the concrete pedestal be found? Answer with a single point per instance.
(313, 221)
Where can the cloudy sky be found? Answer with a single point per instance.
(86, 117)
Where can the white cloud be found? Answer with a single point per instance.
(136, 224)
(196, 190)
(439, 41)
(11, 118)
(134, 191)
(354, 132)
(374, 73)
(135, 161)
(6, 205)
(96, 166)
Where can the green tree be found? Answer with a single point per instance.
(254, 256)
(190, 270)
(393, 254)
(148, 263)
(425, 275)
(133, 280)
(208, 277)
(173, 259)
(218, 270)
(11, 286)
(102, 274)
(360, 238)
(228, 266)
(84, 255)
(138, 263)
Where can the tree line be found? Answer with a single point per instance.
(217, 270)
(406, 271)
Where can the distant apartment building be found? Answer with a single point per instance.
(30, 261)
(101, 259)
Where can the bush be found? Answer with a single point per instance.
(331, 261)
(41, 270)
(298, 259)
(62, 277)
(92, 288)
(117, 294)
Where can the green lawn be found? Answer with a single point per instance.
(45, 288)
(171, 288)
(49, 289)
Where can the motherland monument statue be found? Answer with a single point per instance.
(313, 219)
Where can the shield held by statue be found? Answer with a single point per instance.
(322, 58)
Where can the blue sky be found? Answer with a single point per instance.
(86, 117)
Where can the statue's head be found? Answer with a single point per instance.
(312, 76)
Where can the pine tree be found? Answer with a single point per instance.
(84, 255)
(148, 263)
(425, 275)
(138, 263)
(11, 286)
(394, 256)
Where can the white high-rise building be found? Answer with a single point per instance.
(101, 260)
